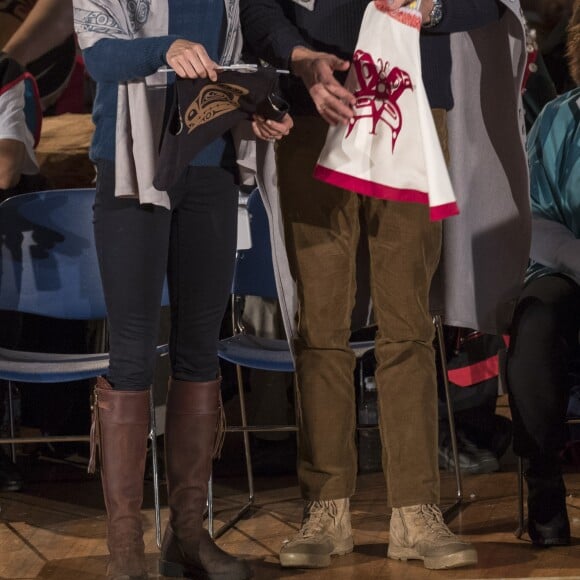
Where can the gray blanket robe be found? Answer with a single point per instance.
(486, 247)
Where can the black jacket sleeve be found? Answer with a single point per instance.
(268, 32)
(463, 15)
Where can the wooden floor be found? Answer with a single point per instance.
(55, 529)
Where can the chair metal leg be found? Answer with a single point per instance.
(154, 461)
(296, 403)
(249, 470)
(450, 511)
(11, 417)
(521, 515)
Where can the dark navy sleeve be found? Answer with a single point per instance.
(268, 32)
(118, 60)
(463, 15)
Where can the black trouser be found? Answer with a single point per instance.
(543, 343)
(194, 243)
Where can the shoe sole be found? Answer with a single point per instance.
(176, 570)
(15, 487)
(299, 560)
(488, 466)
(552, 542)
(456, 560)
(144, 576)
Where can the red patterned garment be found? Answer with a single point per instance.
(390, 148)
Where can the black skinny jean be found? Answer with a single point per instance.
(543, 343)
(194, 243)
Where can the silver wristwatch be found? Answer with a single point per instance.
(435, 15)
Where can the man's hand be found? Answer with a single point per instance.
(271, 130)
(190, 60)
(425, 8)
(316, 69)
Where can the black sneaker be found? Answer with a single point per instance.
(472, 459)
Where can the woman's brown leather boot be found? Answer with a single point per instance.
(193, 433)
(120, 428)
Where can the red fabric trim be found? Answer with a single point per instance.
(373, 189)
(351, 183)
(475, 373)
(440, 212)
(14, 82)
(404, 15)
(531, 59)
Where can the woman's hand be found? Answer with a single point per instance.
(191, 61)
(271, 130)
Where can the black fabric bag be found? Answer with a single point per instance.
(472, 368)
(203, 110)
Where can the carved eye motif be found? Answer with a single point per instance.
(213, 101)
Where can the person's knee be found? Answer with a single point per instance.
(535, 318)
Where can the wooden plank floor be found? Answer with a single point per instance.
(56, 530)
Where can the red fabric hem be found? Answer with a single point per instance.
(439, 212)
(381, 191)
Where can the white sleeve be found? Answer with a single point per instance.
(13, 124)
(555, 246)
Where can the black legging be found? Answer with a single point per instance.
(194, 244)
(543, 343)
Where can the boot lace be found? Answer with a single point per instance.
(316, 517)
(433, 519)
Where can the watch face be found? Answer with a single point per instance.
(437, 13)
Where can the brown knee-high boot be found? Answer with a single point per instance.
(120, 428)
(193, 429)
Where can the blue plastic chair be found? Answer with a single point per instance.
(48, 267)
(254, 276)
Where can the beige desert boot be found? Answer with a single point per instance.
(325, 532)
(418, 532)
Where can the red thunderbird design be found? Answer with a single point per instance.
(378, 93)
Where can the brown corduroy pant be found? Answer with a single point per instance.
(322, 229)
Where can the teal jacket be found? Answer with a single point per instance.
(554, 161)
